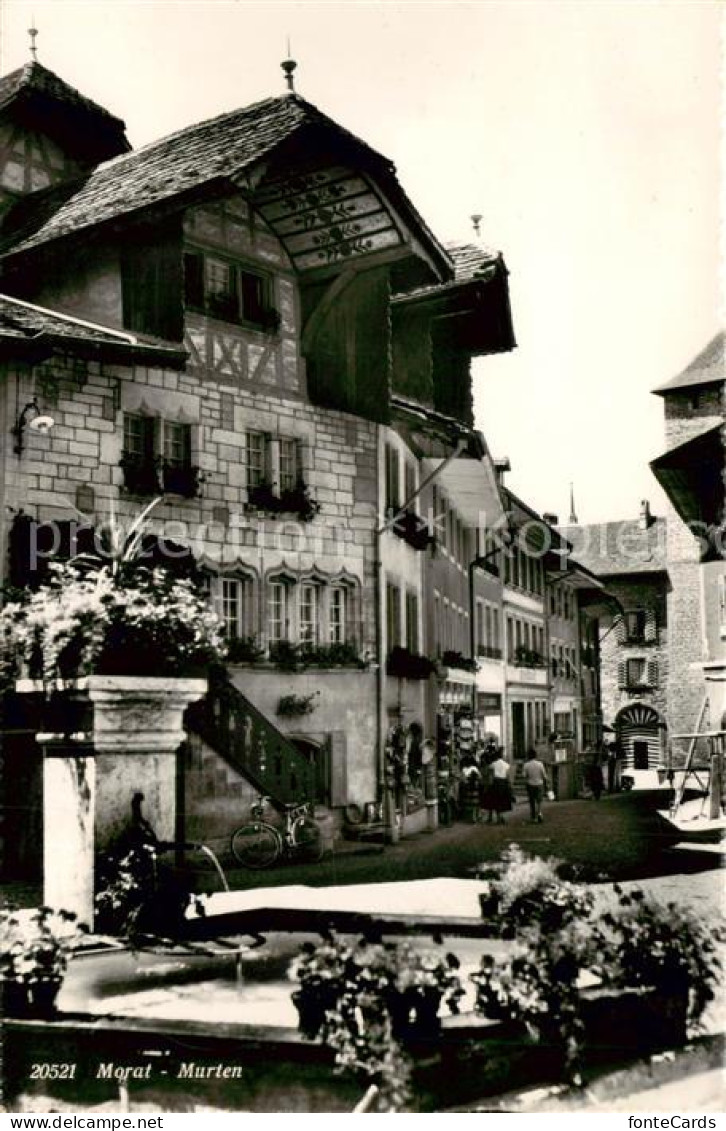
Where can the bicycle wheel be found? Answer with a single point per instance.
(307, 838)
(256, 845)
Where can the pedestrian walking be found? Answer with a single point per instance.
(596, 777)
(536, 781)
(497, 792)
(613, 767)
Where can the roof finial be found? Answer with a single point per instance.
(573, 515)
(288, 66)
(33, 32)
(476, 220)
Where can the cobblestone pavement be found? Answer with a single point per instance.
(618, 838)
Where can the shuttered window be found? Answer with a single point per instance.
(652, 673)
(393, 615)
(412, 642)
(650, 630)
(393, 490)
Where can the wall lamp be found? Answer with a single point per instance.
(30, 417)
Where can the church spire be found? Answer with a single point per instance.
(573, 514)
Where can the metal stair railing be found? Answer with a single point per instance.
(251, 744)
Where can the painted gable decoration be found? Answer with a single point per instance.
(327, 215)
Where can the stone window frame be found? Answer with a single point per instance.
(324, 583)
(247, 599)
(270, 471)
(351, 586)
(156, 459)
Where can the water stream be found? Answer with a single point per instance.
(212, 856)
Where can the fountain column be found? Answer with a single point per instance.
(133, 728)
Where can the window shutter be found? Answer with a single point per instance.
(152, 282)
(621, 630)
(652, 672)
(651, 627)
(338, 769)
(194, 279)
(622, 673)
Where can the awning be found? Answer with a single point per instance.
(472, 487)
(692, 475)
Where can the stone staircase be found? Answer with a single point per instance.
(251, 745)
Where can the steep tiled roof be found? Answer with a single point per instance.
(34, 77)
(218, 148)
(29, 320)
(470, 262)
(222, 150)
(24, 323)
(706, 369)
(613, 548)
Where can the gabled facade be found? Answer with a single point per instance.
(629, 558)
(250, 319)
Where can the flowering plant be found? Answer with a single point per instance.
(367, 999)
(109, 613)
(528, 892)
(140, 621)
(35, 944)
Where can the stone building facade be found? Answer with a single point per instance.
(629, 557)
(691, 471)
(250, 322)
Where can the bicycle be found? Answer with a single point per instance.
(260, 844)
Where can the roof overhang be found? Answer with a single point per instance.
(476, 312)
(473, 489)
(41, 346)
(598, 602)
(692, 475)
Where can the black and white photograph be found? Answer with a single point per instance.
(362, 559)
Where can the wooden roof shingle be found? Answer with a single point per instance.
(223, 150)
(708, 368)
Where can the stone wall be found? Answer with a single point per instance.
(635, 591)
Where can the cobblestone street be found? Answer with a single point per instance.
(618, 838)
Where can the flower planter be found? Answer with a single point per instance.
(31, 999)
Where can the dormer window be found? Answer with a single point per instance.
(229, 291)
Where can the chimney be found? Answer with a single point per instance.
(646, 517)
(502, 466)
(551, 519)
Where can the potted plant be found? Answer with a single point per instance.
(293, 706)
(368, 1000)
(35, 946)
(110, 614)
